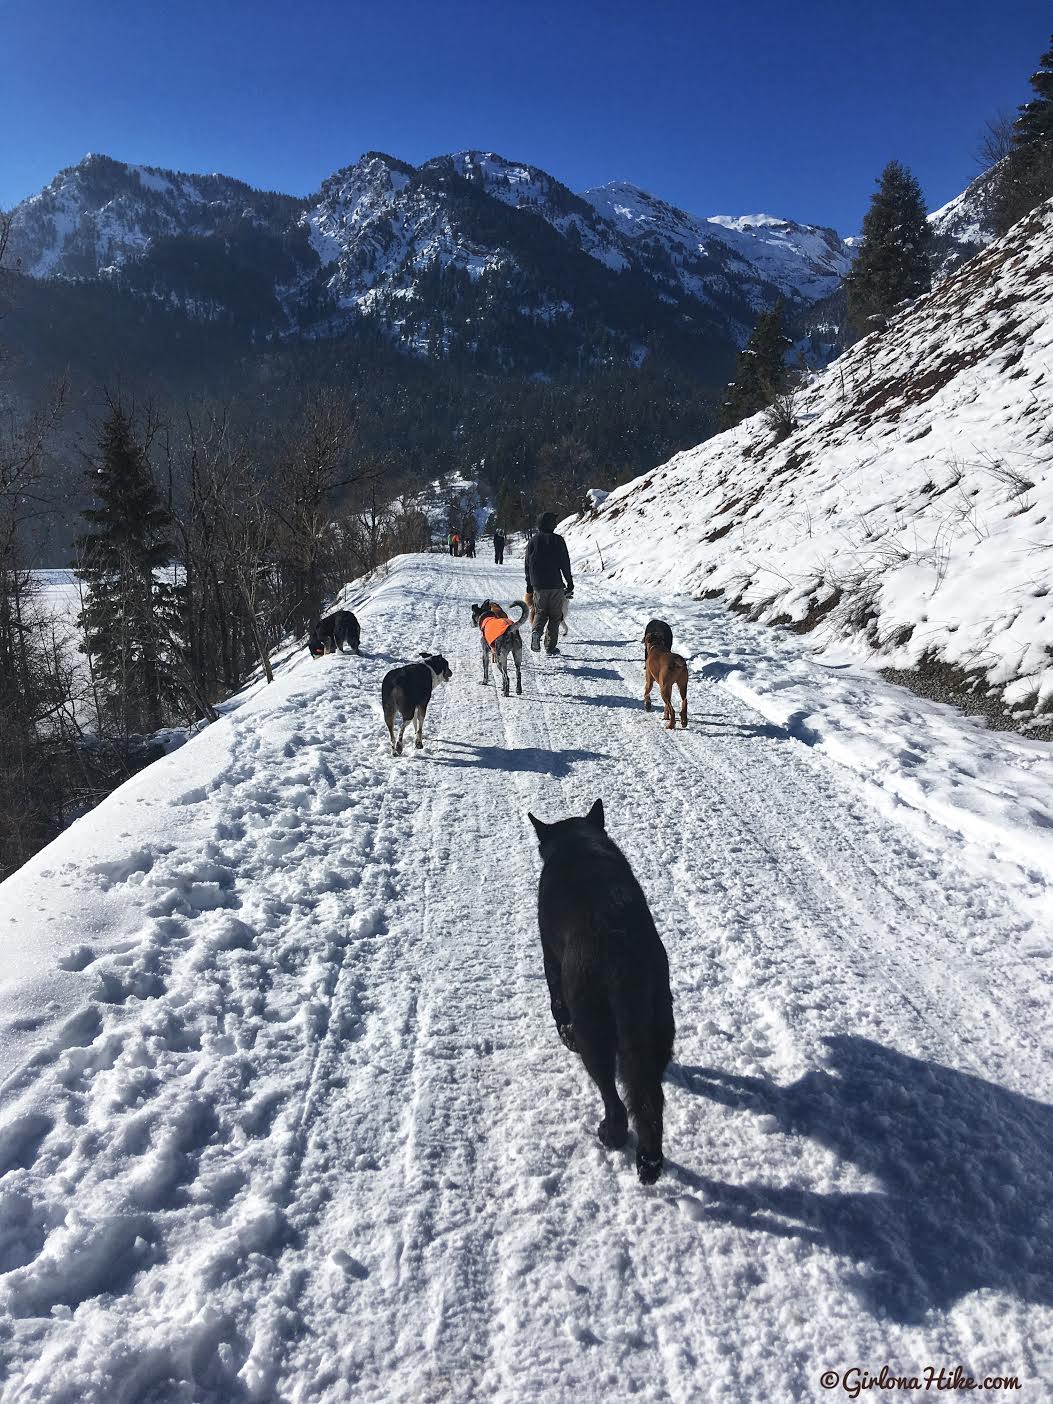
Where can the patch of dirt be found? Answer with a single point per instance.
(817, 612)
(969, 691)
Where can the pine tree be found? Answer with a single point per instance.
(894, 262)
(1025, 178)
(760, 370)
(132, 620)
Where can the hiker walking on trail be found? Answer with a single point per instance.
(547, 564)
(469, 547)
(455, 545)
(499, 547)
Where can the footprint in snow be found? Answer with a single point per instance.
(350, 1266)
(691, 1207)
(77, 959)
(20, 1141)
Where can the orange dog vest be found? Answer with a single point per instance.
(494, 628)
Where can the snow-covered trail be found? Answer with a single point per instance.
(285, 1117)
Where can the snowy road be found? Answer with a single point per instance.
(285, 1117)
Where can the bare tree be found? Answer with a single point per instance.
(315, 464)
(227, 535)
(32, 697)
(996, 140)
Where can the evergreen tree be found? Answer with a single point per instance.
(1025, 178)
(132, 620)
(894, 262)
(760, 370)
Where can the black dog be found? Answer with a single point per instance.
(658, 633)
(408, 691)
(608, 977)
(501, 638)
(331, 633)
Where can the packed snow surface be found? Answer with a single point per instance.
(284, 1116)
(911, 510)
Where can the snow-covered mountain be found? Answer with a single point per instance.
(909, 513)
(382, 224)
(465, 253)
(803, 261)
(100, 214)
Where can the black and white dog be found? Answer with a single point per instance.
(501, 638)
(407, 691)
(608, 977)
(331, 633)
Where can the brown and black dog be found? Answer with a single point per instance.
(665, 668)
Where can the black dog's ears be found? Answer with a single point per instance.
(425, 655)
(539, 828)
(595, 815)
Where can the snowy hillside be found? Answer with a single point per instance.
(963, 226)
(284, 1116)
(910, 513)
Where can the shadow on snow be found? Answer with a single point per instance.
(538, 760)
(966, 1193)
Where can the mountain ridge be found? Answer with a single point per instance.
(466, 253)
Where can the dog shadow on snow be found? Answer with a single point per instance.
(963, 1167)
(711, 724)
(586, 670)
(534, 759)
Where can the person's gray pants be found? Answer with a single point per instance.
(548, 614)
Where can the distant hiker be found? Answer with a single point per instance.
(547, 565)
(499, 547)
(455, 545)
(449, 543)
(469, 548)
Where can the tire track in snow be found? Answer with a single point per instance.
(849, 877)
(776, 931)
(325, 1153)
(437, 1284)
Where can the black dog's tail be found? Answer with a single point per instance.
(524, 610)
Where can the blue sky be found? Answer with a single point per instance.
(730, 108)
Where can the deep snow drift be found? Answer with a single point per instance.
(284, 1116)
(913, 505)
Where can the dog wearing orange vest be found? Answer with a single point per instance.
(500, 639)
(665, 668)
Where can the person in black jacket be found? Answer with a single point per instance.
(548, 582)
(499, 547)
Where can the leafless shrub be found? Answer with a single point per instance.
(781, 416)
(1017, 482)
(995, 140)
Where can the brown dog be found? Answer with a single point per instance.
(665, 668)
